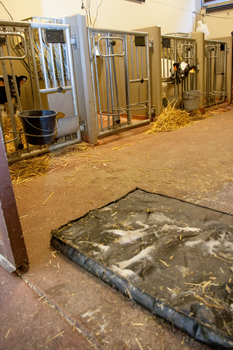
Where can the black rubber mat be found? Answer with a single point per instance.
(172, 257)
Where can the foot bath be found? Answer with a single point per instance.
(172, 257)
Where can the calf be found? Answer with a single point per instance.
(182, 70)
(19, 80)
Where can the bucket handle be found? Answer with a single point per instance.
(39, 128)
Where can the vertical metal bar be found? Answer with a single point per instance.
(97, 83)
(36, 80)
(111, 83)
(127, 79)
(167, 63)
(195, 63)
(216, 53)
(70, 63)
(137, 62)
(163, 61)
(8, 95)
(142, 62)
(13, 77)
(132, 60)
(224, 71)
(61, 65)
(176, 88)
(148, 76)
(107, 82)
(90, 36)
(43, 59)
(208, 67)
(116, 87)
(29, 50)
(188, 77)
(2, 127)
(210, 72)
(53, 65)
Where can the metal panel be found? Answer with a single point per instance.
(120, 76)
(215, 71)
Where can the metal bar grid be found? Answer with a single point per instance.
(106, 75)
(176, 49)
(215, 67)
(22, 36)
(15, 33)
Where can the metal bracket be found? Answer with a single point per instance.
(151, 44)
(73, 42)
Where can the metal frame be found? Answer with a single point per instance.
(111, 84)
(12, 31)
(20, 39)
(215, 71)
(54, 84)
(181, 48)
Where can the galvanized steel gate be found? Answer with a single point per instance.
(215, 71)
(176, 49)
(16, 45)
(43, 46)
(52, 44)
(120, 76)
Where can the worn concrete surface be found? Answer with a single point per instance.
(192, 164)
(27, 322)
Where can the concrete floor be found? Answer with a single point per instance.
(193, 164)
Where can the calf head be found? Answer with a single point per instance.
(182, 70)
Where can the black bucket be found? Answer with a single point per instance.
(39, 126)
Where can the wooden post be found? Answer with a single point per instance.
(13, 252)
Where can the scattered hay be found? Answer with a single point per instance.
(31, 168)
(172, 119)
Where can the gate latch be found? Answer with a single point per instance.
(73, 42)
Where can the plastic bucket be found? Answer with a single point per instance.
(39, 126)
(191, 100)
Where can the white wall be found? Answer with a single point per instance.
(220, 24)
(173, 16)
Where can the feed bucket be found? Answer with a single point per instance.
(174, 100)
(191, 100)
(39, 126)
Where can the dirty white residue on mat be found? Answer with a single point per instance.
(128, 274)
(144, 254)
(104, 248)
(179, 229)
(212, 246)
(130, 236)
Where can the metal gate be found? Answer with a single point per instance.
(174, 50)
(43, 46)
(13, 36)
(215, 68)
(52, 45)
(120, 76)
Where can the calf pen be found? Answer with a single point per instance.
(43, 48)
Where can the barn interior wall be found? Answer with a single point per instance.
(219, 24)
(173, 16)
